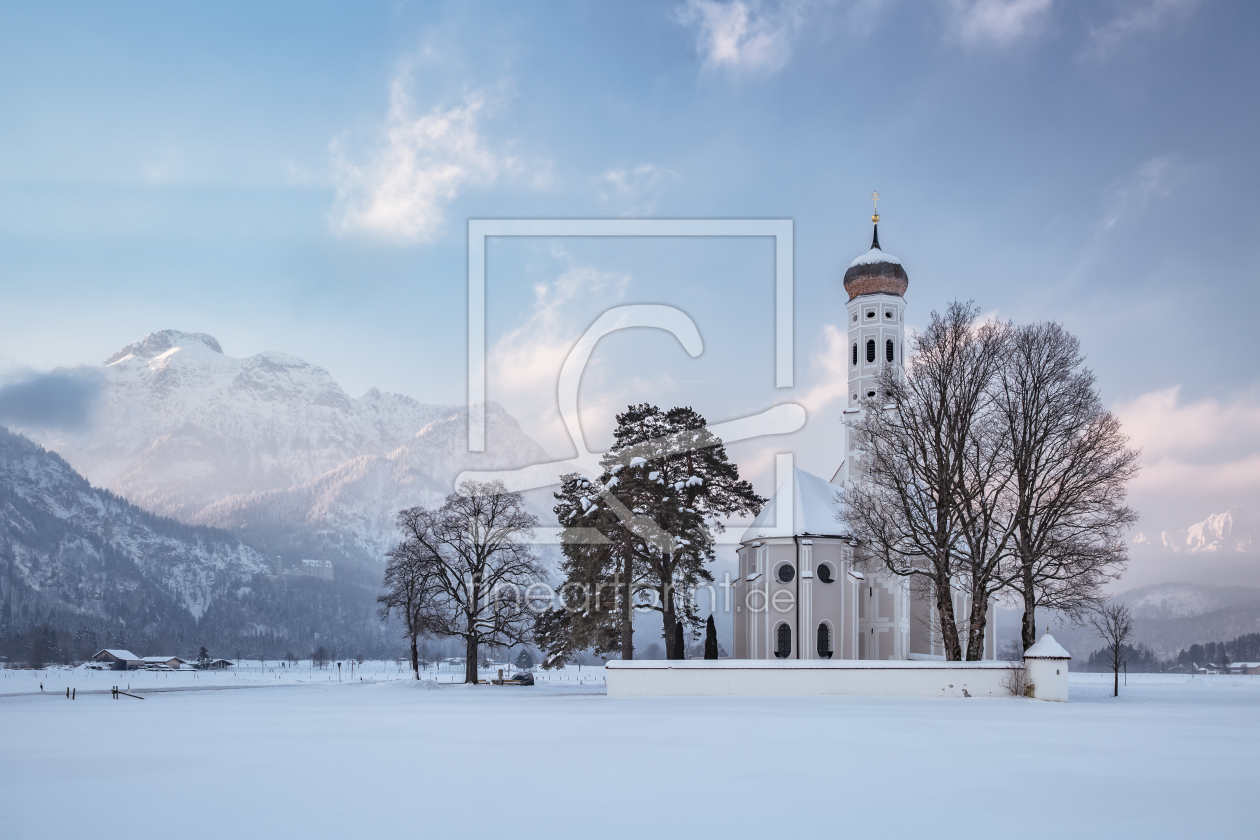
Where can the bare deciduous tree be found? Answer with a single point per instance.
(915, 437)
(472, 552)
(1115, 625)
(1069, 463)
(408, 594)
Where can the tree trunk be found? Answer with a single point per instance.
(627, 612)
(1116, 671)
(1028, 631)
(975, 632)
(945, 615)
(670, 623)
(470, 664)
(415, 657)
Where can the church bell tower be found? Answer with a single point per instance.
(876, 284)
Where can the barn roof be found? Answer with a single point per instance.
(119, 653)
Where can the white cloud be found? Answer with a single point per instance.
(1207, 446)
(1154, 179)
(1000, 22)
(828, 370)
(1136, 18)
(420, 164)
(743, 35)
(633, 189)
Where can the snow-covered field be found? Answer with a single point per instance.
(306, 756)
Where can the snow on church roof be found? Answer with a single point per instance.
(815, 507)
(1047, 648)
(873, 256)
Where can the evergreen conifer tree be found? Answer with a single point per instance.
(643, 532)
(710, 639)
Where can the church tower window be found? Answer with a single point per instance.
(783, 641)
(824, 641)
(870, 350)
(855, 354)
(786, 573)
(888, 350)
(825, 574)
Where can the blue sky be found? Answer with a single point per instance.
(298, 177)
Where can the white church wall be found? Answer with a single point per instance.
(793, 677)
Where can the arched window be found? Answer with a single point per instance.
(825, 574)
(783, 641)
(786, 573)
(855, 354)
(824, 641)
(888, 350)
(870, 350)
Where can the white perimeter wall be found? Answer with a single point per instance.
(853, 677)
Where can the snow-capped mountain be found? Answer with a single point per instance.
(350, 511)
(179, 425)
(71, 549)
(1234, 530)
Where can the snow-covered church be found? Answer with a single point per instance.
(799, 594)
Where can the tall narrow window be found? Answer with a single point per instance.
(783, 641)
(855, 354)
(870, 350)
(888, 350)
(824, 641)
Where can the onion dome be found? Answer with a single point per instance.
(875, 273)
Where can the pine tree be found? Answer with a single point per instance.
(710, 639)
(646, 526)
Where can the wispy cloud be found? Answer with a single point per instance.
(997, 22)
(1134, 19)
(633, 189)
(420, 164)
(1153, 179)
(524, 363)
(743, 36)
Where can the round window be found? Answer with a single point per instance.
(824, 573)
(786, 573)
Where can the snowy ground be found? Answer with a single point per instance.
(1173, 757)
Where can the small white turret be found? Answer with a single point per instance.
(1047, 664)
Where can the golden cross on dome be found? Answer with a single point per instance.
(875, 201)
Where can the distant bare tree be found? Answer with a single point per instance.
(409, 590)
(1069, 462)
(1115, 625)
(919, 464)
(472, 550)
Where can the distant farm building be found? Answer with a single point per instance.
(172, 662)
(118, 660)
